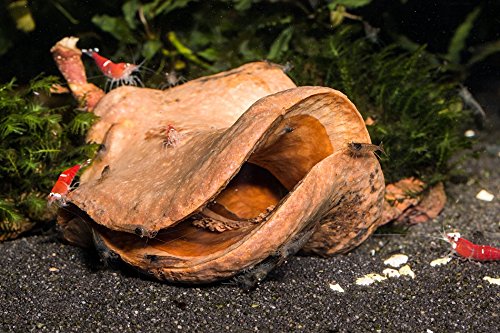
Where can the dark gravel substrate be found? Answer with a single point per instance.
(47, 286)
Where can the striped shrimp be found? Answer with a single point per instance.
(469, 250)
(63, 184)
(122, 73)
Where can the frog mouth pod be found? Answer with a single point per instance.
(259, 170)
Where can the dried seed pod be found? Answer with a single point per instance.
(260, 168)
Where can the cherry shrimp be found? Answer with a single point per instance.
(465, 248)
(172, 137)
(63, 184)
(469, 250)
(286, 68)
(122, 73)
(172, 79)
(371, 33)
(357, 148)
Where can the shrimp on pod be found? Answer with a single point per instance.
(172, 137)
(358, 148)
(122, 73)
(469, 250)
(63, 184)
(172, 79)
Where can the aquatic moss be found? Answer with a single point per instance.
(37, 142)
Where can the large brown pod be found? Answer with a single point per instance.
(202, 181)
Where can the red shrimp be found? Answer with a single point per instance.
(172, 137)
(63, 184)
(469, 250)
(118, 74)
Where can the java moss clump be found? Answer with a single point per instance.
(37, 142)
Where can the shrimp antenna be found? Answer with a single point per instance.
(90, 51)
(381, 148)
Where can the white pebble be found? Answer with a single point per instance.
(492, 280)
(396, 260)
(364, 281)
(391, 273)
(485, 196)
(470, 134)
(369, 279)
(406, 270)
(440, 261)
(336, 287)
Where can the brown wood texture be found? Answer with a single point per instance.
(258, 160)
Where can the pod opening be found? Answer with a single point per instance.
(282, 159)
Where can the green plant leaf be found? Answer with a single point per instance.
(348, 3)
(337, 15)
(65, 13)
(185, 51)
(34, 204)
(5, 42)
(457, 43)
(21, 13)
(484, 51)
(406, 43)
(242, 5)
(280, 44)
(8, 212)
(129, 10)
(247, 52)
(210, 54)
(43, 83)
(12, 221)
(116, 26)
(150, 48)
(157, 7)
